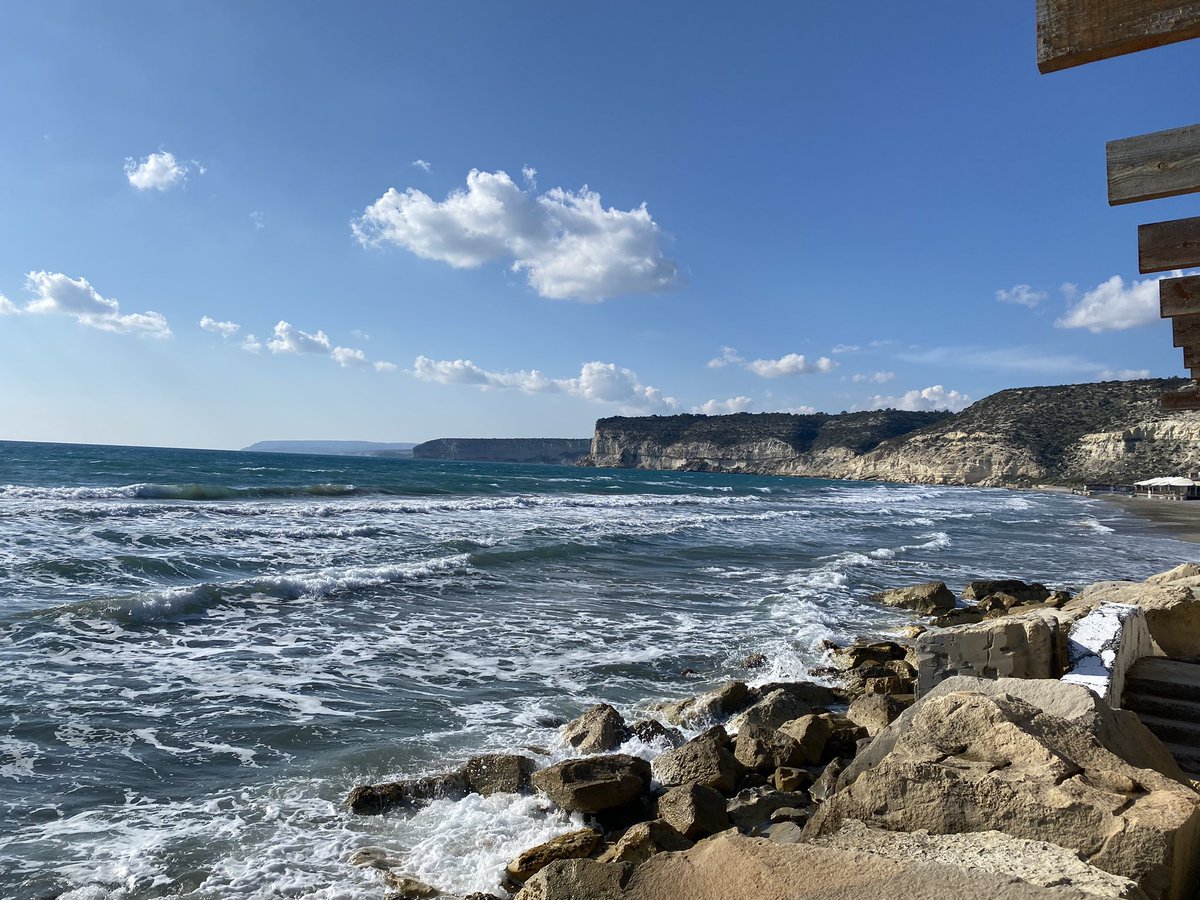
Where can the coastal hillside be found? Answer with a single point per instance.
(556, 451)
(1111, 431)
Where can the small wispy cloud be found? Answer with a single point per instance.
(846, 348)
(422, 165)
(159, 171)
(601, 382)
(876, 377)
(224, 329)
(724, 407)
(1021, 295)
(788, 364)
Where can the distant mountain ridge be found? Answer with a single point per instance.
(333, 448)
(1108, 432)
(555, 451)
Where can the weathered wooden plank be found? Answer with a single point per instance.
(1179, 296)
(1186, 331)
(1150, 166)
(1074, 32)
(1163, 246)
(1177, 400)
(1191, 357)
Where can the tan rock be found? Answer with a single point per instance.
(643, 840)
(1021, 646)
(731, 866)
(811, 733)
(498, 773)
(924, 599)
(576, 879)
(1185, 570)
(410, 888)
(572, 845)
(714, 706)
(968, 762)
(595, 783)
(765, 749)
(695, 811)
(599, 730)
(1172, 609)
(703, 760)
(874, 712)
(1037, 862)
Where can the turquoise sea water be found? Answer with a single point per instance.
(202, 652)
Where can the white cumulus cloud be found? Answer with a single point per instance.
(346, 357)
(7, 307)
(1122, 374)
(1021, 295)
(384, 366)
(291, 340)
(159, 171)
(1115, 306)
(930, 398)
(224, 329)
(724, 407)
(790, 364)
(567, 243)
(250, 344)
(601, 382)
(876, 377)
(55, 292)
(728, 356)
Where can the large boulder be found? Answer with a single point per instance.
(775, 708)
(1172, 609)
(1118, 730)
(731, 866)
(874, 712)
(643, 840)
(575, 879)
(652, 731)
(1019, 591)
(1036, 862)
(572, 845)
(752, 808)
(703, 760)
(811, 734)
(1024, 646)
(498, 773)
(1180, 572)
(970, 762)
(694, 810)
(595, 783)
(714, 706)
(925, 599)
(766, 749)
(599, 730)
(373, 799)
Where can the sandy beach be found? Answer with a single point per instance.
(1171, 518)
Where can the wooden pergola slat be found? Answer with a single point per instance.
(1151, 166)
(1163, 246)
(1074, 32)
(1179, 296)
(1186, 331)
(1180, 400)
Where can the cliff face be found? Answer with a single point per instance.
(1107, 432)
(558, 451)
(767, 443)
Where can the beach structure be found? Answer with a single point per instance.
(1169, 488)
(1149, 166)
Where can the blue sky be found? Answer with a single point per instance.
(673, 207)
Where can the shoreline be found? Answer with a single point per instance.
(1167, 518)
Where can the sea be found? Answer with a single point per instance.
(202, 652)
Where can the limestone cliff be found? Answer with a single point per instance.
(1070, 434)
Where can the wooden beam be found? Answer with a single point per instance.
(1163, 246)
(1179, 400)
(1191, 358)
(1074, 32)
(1186, 331)
(1150, 166)
(1179, 296)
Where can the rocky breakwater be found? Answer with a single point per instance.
(1005, 787)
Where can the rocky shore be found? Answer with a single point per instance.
(982, 751)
